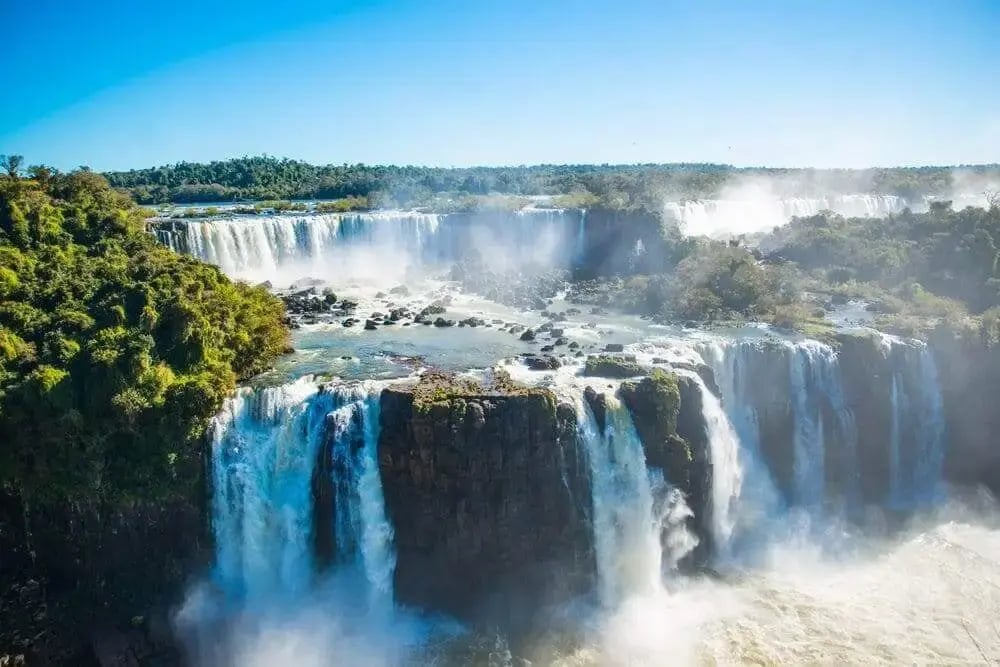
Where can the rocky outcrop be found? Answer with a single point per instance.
(867, 380)
(667, 412)
(86, 584)
(489, 495)
(969, 373)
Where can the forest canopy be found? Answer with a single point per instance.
(114, 351)
(264, 177)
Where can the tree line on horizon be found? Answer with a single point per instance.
(271, 178)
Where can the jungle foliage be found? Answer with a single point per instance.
(114, 351)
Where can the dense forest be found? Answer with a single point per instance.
(114, 351)
(263, 178)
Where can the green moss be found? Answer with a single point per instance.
(447, 389)
(612, 366)
(655, 403)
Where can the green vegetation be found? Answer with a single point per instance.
(615, 186)
(438, 388)
(612, 366)
(715, 282)
(114, 351)
(655, 403)
(916, 270)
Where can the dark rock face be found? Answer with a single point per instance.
(88, 582)
(489, 496)
(667, 413)
(867, 379)
(969, 375)
(691, 428)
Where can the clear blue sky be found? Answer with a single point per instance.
(748, 82)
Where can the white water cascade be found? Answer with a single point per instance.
(626, 528)
(283, 248)
(727, 469)
(265, 446)
(823, 426)
(730, 217)
(917, 424)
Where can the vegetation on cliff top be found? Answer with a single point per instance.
(114, 351)
(617, 186)
(441, 388)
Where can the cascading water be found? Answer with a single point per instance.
(814, 378)
(714, 217)
(727, 470)
(282, 248)
(821, 425)
(626, 531)
(916, 440)
(733, 363)
(362, 531)
(265, 445)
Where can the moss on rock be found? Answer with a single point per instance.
(613, 366)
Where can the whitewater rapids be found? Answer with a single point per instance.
(931, 597)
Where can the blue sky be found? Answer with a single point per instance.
(761, 82)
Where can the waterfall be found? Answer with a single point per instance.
(930, 459)
(362, 531)
(285, 247)
(733, 364)
(727, 470)
(916, 434)
(807, 363)
(715, 217)
(265, 446)
(750, 381)
(626, 530)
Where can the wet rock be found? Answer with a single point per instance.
(400, 290)
(613, 366)
(528, 335)
(560, 341)
(614, 347)
(547, 348)
(370, 325)
(442, 322)
(545, 363)
(574, 345)
(349, 322)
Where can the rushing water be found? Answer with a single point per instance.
(265, 447)
(380, 244)
(727, 470)
(923, 596)
(720, 217)
(626, 530)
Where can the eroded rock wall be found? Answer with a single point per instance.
(489, 496)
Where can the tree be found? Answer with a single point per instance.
(11, 164)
